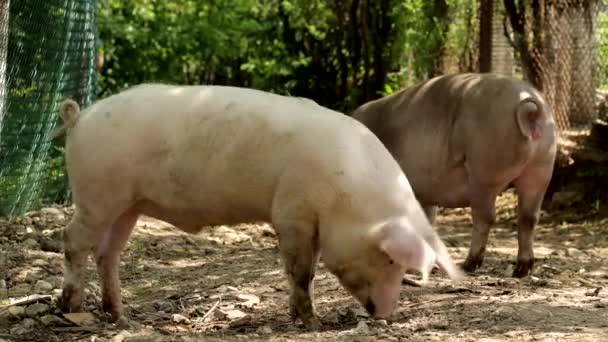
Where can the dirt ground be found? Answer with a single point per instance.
(227, 284)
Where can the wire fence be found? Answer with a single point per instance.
(567, 49)
(570, 61)
(47, 52)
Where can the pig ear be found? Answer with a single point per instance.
(396, 239)
(528, 115)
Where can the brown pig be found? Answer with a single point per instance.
(197, 156)
(461, 139)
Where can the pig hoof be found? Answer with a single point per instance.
(472, 263)
(312, 324)
(122, 323)
(522, 268)
(67, 302)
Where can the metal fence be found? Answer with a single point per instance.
(47, 52)
(570, 63)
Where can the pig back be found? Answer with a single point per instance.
(214, 147)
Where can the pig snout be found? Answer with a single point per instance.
(383, 298)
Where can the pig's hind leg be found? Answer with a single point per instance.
(531, 187)
(107, 256)
(299, 249)
(483, 212)
(79, 238)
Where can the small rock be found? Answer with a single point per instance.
(57, 293)
(36, 309)
(28, 323)
(594, 293)
(121, 336)
(20, 290)
(177, 318)
(19, 330)
(29, 231)
(381, 323)
(554, 283)
(16, 311)
(249, 300)
(57, 281)
(58, 214)
(39, 262)
(51, 245)
(362, 328)
(264, 330)
(164, 306)
(332, 316)
(33, 275)
(506, 312)
(30, 243)
(574, 253)
(239, 322)
(43, 286)
(598, 274)
(538, 282)
(228, 313)
(80, 318)
(52, 320)
(476, 320)
(357, 312)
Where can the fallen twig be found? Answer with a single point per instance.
(551, 268)
(594, 293)
(411, 282)
(211, 310)
(182, 304)
(151, 313)
(78, 329)
(82, 336)
(29, 300)
(586, 282)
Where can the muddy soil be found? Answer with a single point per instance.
(226, 283)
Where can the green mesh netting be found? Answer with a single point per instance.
(47, 53)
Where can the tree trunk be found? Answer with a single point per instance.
(502, 52)
(486, 13)
(4, 30)
(517, 18)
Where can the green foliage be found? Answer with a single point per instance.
(177, 41)
(339, 53)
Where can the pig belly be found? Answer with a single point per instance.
(191, 219)
(449, 191)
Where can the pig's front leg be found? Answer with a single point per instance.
(483, 211)
(531, 187)
(300, 252)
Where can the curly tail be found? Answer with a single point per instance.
(70, 112)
